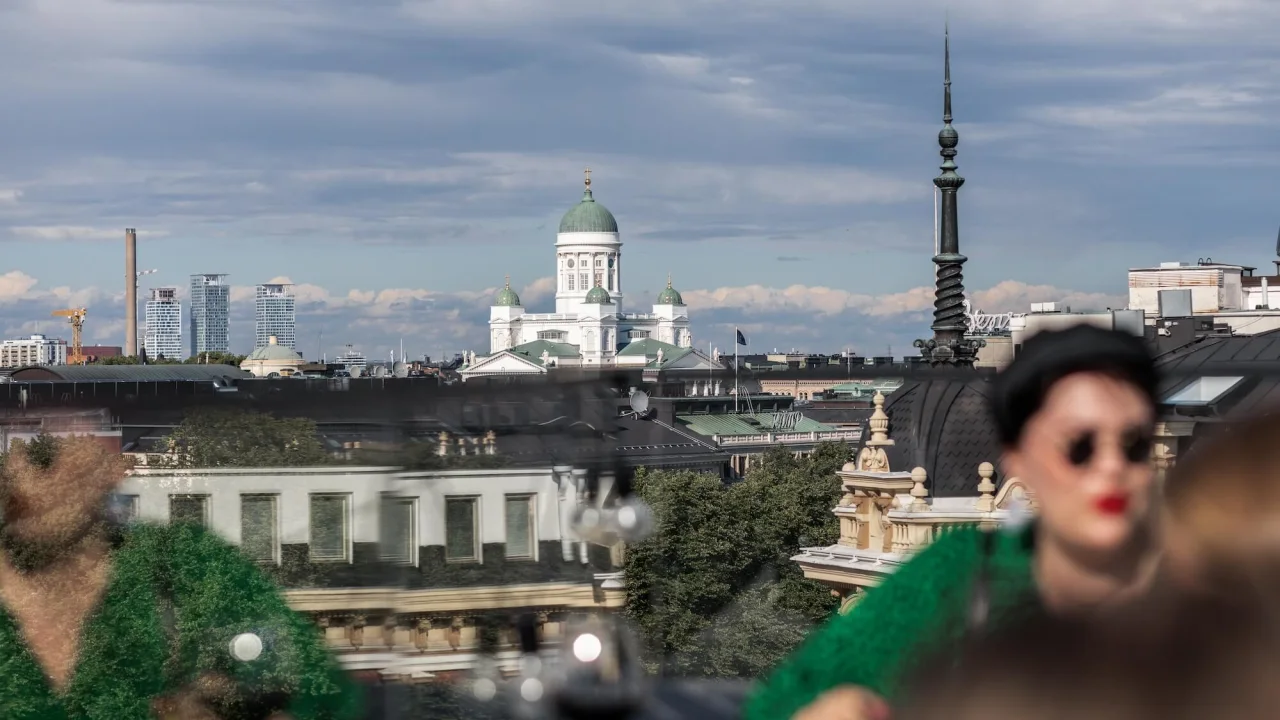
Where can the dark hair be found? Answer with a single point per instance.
(1018, 392)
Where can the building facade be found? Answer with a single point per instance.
(274, 316)
(33, 350)
(589, 322)
(210, 313)
(163, 319)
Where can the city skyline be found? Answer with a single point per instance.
(784, 182)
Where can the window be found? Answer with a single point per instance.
(600, 279)
(637, 334)
(330, 528)
(521, 539)
(1203, 391)
(462, 537)
(398, 540)
(189, 509)
(583, 277)
(125, 508)
(259, 528)
(556, 335)
(599, 262)
(570, 279)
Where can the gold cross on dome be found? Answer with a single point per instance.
(587, 172)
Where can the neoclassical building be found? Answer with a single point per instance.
(589, 324)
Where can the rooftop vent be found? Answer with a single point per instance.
(1171, 265)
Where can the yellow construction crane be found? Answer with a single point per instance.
(75, 316)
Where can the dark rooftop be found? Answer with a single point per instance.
(127, 373)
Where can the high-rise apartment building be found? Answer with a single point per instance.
(33, 350)
(274, 317)
(163, 336)
(210, 313)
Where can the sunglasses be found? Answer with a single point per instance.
(1135, 446)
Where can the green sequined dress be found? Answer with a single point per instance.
(133, 650)
(917, 611)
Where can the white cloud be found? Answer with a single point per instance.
(10, 196)
(1186, 105)
(1007, 296)
(15, 285)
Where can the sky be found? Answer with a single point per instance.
(395, 160)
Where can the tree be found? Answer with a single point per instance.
(208, 438)
(714, 590)
(215, 358)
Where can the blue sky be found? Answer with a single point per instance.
(397, 159)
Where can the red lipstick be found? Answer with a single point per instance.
(1114, 504)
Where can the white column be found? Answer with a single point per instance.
(580, 483)
(568, 498)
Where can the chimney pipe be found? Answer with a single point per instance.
(130, 292)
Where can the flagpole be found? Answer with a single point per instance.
(735, 369)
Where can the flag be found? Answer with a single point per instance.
(742, 339)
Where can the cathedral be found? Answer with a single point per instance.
(589, 326)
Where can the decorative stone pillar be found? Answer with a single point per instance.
(918, 491)
(986, 488)
(356, 632)
(454, 633)
(444, 444)
(490, 443)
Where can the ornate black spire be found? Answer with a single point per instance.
(949, 346)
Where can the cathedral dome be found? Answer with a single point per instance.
(506, 297)
(669, 295)
(598, 296)
(588, 216)
(946, 427)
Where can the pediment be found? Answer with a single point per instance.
(504, 362)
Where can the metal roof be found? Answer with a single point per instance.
(128, 373)
(745, 424)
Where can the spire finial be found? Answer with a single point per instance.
(668, 281)
(587, 172)
(946, 74)
(508, 282)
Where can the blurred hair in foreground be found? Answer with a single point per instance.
(1181, 656)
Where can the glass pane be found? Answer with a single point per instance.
(328, 527)
(188, 509)
(397, 529)
(258, 527)
(460, 529)
(125, 507)
(519, 527)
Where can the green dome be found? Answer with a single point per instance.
(669, 296)
(506, 297)
(588, 216)
(598, 296)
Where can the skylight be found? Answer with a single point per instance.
(1203, 391)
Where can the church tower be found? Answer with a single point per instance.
(588, 254)
(949, 346)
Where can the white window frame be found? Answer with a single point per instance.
(275, 524)
(346, 527)
(412, 502)
(208, 506)
(532, 500)
(478, 551)
(133, 503)
(1204, 390)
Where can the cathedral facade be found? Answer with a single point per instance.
(589, 325)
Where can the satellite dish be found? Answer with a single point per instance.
(402, 370)
(640, 401)
(380, 371)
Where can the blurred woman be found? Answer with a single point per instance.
(1075, 412)
(1222, 511)
(1171, 657)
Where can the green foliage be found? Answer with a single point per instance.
(714, 591)
(134, 360)
(209, 438)
(215, 358)
(41, 450)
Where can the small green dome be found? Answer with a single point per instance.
(506, 297)
(670, 296)
(588, 215)
(598, 296)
